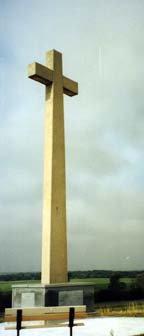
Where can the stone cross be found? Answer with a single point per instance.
(54, 238)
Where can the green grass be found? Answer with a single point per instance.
(5, 286)
(100, 283)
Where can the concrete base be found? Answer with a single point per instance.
(53, 295)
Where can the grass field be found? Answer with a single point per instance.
(121, 309)
(5, 286)
(100, 283)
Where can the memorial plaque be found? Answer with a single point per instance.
(28, 300)
(71, 298)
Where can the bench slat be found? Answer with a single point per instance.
(43, 310)
(46, 317)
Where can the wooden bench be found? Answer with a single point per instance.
(50, 316)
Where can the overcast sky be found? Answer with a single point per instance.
(102, 42)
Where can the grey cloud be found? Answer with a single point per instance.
(103, 50)
(115, 222)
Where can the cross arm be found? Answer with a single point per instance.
(44, 75)
(40, 73)
(70, 87)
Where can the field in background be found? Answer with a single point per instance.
(5, 286)
(100, 283)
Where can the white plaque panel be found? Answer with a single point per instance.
(28, 300)
(71, 298)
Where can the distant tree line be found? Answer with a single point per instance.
(102, 274)
(20, 276)
(71, 275)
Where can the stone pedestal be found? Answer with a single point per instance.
(53, 295)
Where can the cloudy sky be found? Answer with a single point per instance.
(102, 42)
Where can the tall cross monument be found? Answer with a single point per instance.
(54, 237)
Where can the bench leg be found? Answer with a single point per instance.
(19, 321)
(71, 328)
(71, 319)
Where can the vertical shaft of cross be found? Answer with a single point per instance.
(54, 244)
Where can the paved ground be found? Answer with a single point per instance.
(93, 327)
